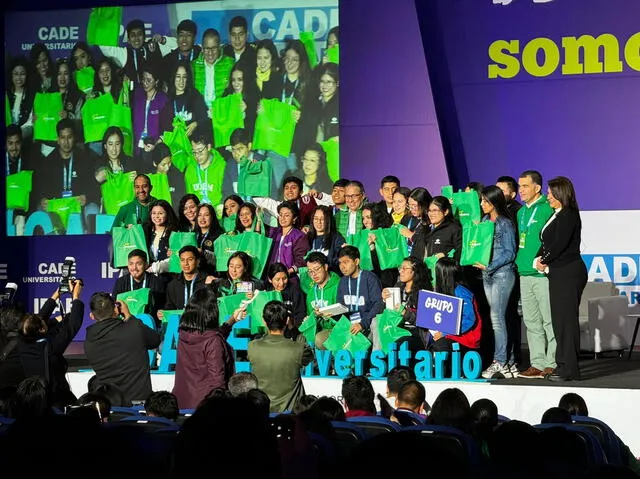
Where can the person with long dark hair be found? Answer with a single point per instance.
(238, 271)
(324, 237)
(205, 360)
(418, 202)
(185, 101)
(188, 213)
(499, 276)
(559, 257)
(375, 216)
(413, 276)
(207, 232)
(248, 220)
(158, 228)
(292, 297)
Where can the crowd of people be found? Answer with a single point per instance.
(165, 106)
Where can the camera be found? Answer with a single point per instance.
(7, 295)
(67, 274)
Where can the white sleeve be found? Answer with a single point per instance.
(268, 204)
(326, 200)
(118, 54)
(170, 43)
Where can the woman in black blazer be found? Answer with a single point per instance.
(559, 257)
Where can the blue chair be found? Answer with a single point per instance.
(348, 436)
(595, 451)
(502, 419)
(184, 415)
(146, 423)
(374, 425)
(408, 418)
(118, 413)
(608, 439)
(454, 439)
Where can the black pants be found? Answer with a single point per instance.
(566, 284)
(513, 319)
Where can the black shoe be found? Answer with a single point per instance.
(555, 377)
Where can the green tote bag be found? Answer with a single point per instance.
(227, 116)
(361, 241)
(137, 300)
(178, 240)
(103, 27)
(85, 78)
(117, 191)
(160, 186)
(275, 127)
(18, 190)
(332, 150)
(96, 117)
(179, 143)
(125, 240)
(64, 207)
(391, 247)
(477, 243)
(254, 178)
(256, 307)
(46, 109)
(467, 206)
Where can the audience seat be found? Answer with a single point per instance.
(608, 439)
(595, 450)
(457, 441)
(374, 425)
(348, 436)
(118, 413)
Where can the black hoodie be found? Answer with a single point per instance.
(117, 352)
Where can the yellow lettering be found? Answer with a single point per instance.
(551, 57)
(590, 47)
(506, 66)
(632, 52)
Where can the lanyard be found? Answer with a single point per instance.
(180, 57)
(146, 114)
(67, 176)
(280, 247)
(533, 215)
(204, 187)
(138, 218)
(204, 237)
(293, 92)
(19, 165)
(315, 294)
(189, 292)
(144, 282)
(354, 307)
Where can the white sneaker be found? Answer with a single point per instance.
(511, 371)
(495, 368)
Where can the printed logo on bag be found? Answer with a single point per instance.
(334, 121)
(229, 251)
(437, 241)
(474, 243)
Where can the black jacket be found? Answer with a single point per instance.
(117, 352)
(561, 239)
(178, 288)
(156, 297)
(441, 239)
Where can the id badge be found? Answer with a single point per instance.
(523, 239)
(67, 194)
(355, 317)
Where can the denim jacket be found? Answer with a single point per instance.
(503, 255)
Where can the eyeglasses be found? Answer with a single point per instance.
(353, 197)
(315, 270)
(200, 151)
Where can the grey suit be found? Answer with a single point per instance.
(277, 361)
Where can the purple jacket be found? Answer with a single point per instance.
(204, 362)
(138, 109)
(291, 251)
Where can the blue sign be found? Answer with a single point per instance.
(439, 312)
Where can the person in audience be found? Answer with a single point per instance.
(484, 420)
(556, 415)
(186, 50)
(313, 171)
(98, 403)
(204, 172)
(136, 212)
(360, 291)
(31, 401)
(162, 404)
(409, 404)
(559, 258)
(158, 228)
(242, 81)
(114, 394)
(358, 396)
(188, 213)
(116, 347)
(304, 403)
(181, 289)
(242, 382)
(259, 399)
(292, 297)
(330, 408)
(400, 213)
(207, 232)
(498, 278)
(419, 202)
(238, 276)
(349, 220)
(451, 408)
(413, 276)
(205, 360)
(185, 101)
(211, 69)
(375, 216)
(276, 361)
(323, 237)
(137, 277)
(290, 245)
(534, 285)
(338, 201)
(321, 290)
(148, 101)
(238, 48)
(396, 377)
(574, 403)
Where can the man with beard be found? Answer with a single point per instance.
(136, 212)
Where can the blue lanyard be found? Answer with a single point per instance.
(190, 55)
(144, 282)
(204, 237)
(354, 307)
(533, 215)
(315, 294)
(67, 176)
(19, 165)
(189, 292)
(295, 86)
(146, 114)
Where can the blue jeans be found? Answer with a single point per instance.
(497, 289)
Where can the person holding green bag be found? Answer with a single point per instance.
(292, 297)
(231, 207)
(207, 232)
(277, 361)
(377, 222)
(204, 173)
(413, 276)
(138, 278)
(238, 278)
(349, 220)
(321, 289)
(20, 97)
(19, 179)
(136, 212)
(113, 160)
(499, 276)
(333, 44)
(159, 232)
(82, 66)
(441, 233)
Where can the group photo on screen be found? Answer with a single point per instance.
(205, 103)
